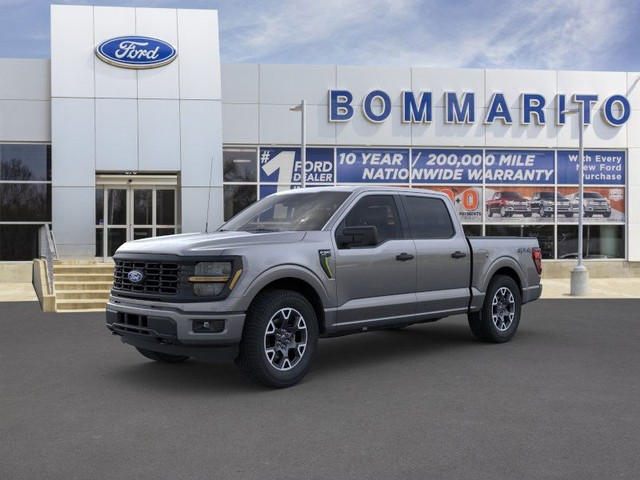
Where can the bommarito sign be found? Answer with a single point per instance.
(459, 108)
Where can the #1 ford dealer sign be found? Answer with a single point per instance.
(136, 52)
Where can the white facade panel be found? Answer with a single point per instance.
(110, 81)
(279, 125)
(632, 91)
(159, 82)
(633, 128)
(319, 130)
(194, 218)
(500, 134)
(201, 156)
(240, 123)
(240, 83)
(290, 84)
(116, 134)
(440, 133)
(72, 58)
(73, 145)
(634, 200)
(597, 135)
(199, 55)
(441, 80)
(634, 242)
(603, 84)
(512, 83)
(633, 168)
(360, 131)
(159, 135)
(362, 80)
(25, 79)
(73, 218)
(25, 121)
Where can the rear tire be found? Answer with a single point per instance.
(499, 317)
(162, 357)
(279, 339)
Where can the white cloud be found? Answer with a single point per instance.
(536, 34)
(547, 34)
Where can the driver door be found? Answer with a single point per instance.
(376, 283)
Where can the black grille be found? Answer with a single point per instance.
(159, 277)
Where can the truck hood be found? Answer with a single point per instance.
(206, 243)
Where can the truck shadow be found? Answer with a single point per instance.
(350, 352)
(384, 346)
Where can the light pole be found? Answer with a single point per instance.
(302, 107)
(580, 274)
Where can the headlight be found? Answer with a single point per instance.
(210, 278)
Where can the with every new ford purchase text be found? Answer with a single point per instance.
(311, 263)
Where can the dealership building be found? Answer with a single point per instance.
(134, 129)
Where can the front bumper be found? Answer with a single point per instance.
(171, 329)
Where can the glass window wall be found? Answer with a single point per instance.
(25, 198)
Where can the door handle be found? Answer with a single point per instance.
(458, 254)
(403, 257)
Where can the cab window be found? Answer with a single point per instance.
(378, 211)
(428, 218)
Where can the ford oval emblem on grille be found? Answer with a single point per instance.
(136, 52)
(135, 276)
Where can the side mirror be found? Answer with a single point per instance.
(364, 236)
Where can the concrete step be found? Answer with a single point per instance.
(84, 269)
(83, 277)
(75, 305)
(92, 285)
(82, 294)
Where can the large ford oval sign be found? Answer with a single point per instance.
(136, 52)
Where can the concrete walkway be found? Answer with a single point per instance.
(552, 288)
(598, 288)
(17, 292)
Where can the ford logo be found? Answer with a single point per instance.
(135, 276)
(136, 52)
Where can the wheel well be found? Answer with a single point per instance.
(304, 289)
(510, 272)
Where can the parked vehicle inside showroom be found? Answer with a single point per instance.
(544, 203)
(508, 203)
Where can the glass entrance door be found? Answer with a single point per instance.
(131, 212)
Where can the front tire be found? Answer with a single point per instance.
(499, 317)
(279, 339)
(162, 357)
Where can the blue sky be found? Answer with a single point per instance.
(533, 34)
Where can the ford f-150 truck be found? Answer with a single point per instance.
(311, 263)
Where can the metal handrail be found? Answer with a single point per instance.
(49, 251)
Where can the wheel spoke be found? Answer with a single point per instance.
(285, 339)
(503, 309)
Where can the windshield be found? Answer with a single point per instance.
(592, 195)
(279, 213)
(511, 195)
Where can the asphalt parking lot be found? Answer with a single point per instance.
(562, 400)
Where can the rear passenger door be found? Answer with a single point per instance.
(375, 283)
(442, 254)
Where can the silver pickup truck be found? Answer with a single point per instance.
(311, 263)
